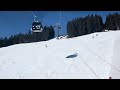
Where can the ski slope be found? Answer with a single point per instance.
(98, 57)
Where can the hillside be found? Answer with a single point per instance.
(94, 56)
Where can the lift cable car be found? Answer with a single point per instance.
(36, 26)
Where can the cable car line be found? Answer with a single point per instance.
(103, 59)
(88, 66)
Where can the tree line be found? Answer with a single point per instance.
(47, 34)
(113, 21)
(76, 27)
(92, 23)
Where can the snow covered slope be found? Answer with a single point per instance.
(98, 57)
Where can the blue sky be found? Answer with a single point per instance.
(14, 22)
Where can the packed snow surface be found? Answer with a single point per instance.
(93, 56)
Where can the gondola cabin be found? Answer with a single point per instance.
(36, 27)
